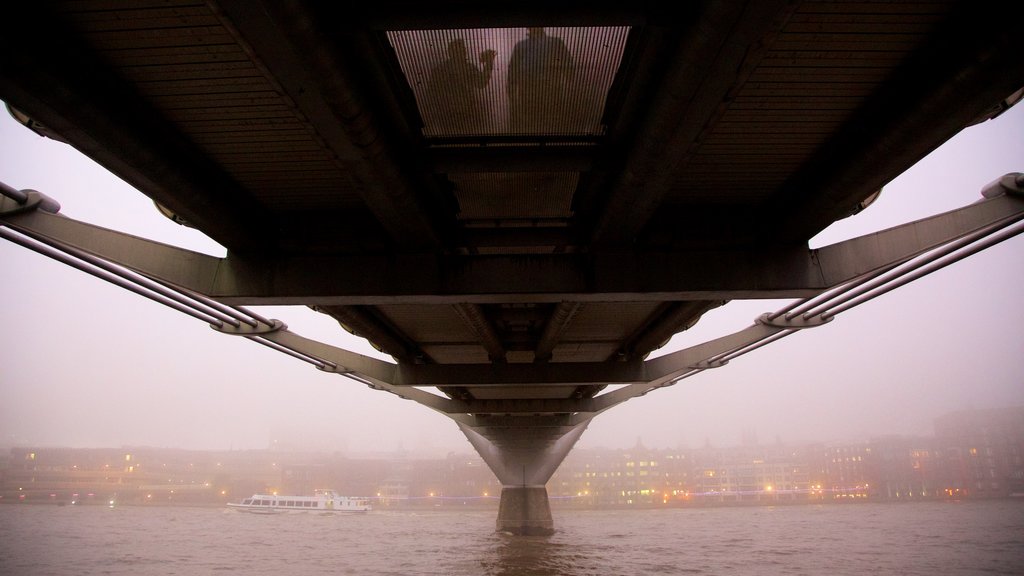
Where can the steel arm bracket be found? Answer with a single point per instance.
(247, 330)
(1012, 184)
(795, 323)
(18, 201)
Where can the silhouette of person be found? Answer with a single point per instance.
(454, 88)
(539, 77)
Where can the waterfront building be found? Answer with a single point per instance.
(982, 452)
(848, 471)
(905, 468)
(974, 454)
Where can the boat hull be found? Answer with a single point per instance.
(268, 510)
(324, 502)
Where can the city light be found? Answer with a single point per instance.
(880, 470)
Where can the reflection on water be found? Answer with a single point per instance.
(914, 539)
(535, 555)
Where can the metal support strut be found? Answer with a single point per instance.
(823, 308)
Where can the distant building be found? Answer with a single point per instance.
(905, 468)
(750, 474)
(134, 475)
(974, 454)
(848, 471)
(982, 452)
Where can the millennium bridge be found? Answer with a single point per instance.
(516, 201)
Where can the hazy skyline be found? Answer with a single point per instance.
(86, 364)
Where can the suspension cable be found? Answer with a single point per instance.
(824, 307)
(102, 274)
(195, 305)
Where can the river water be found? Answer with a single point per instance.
(908, 539)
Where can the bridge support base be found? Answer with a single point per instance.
(523, 459)
(524, 511)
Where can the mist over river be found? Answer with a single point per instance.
(927, 538)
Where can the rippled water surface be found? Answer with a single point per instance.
(923, 538)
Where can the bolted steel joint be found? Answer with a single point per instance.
(247, 330)
(1012, 183)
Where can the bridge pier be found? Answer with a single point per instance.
(525, 511)
(523, 458)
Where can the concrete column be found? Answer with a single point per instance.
(525, 511)
(523, 460)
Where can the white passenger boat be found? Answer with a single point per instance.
(326, 501)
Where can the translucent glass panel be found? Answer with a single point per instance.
(511, 81)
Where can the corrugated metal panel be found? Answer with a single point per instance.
(192, 69)
(583, 351)
(820, 68)
(520, 356)
(524, 392)
(598, 321)
(510, 81)
(457, 353)
(520, 195)
(429, 324)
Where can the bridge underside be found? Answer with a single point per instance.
(517, 203)
(524, 419)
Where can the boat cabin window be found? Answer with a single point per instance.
(247, 501)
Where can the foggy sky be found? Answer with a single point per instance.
(86, 364)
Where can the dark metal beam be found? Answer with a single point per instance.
(511, 159)
(474, 317)
(971, 66)
(669, 319)
(531, 235)
(707, 64)
(335, 90)
(531, 406)
(560, 318)
(65, 86)
(432, 279)
(542, 375)
(364, 323)
(608, 277)
(415, 15)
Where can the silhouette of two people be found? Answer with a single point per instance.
(540, 75)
